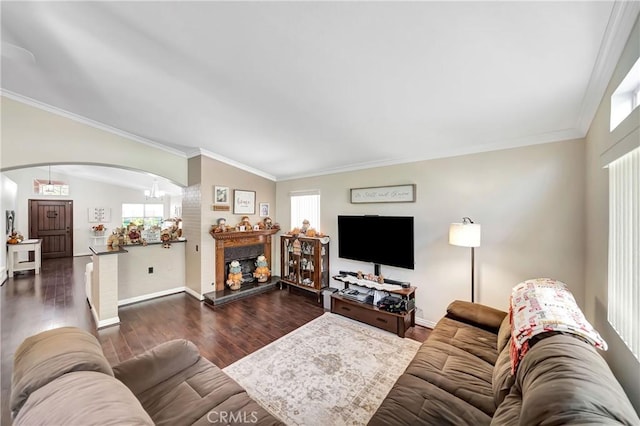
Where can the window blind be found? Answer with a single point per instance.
(305, 205)
(624, 249)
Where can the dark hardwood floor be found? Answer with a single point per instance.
(32, 303)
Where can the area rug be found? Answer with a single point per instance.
(331, 371)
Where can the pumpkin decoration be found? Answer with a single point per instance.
(15, 238)
(234, 279)
(262, 269)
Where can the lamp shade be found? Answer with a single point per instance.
(464, 234)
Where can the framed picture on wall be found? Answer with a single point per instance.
(264, 209)
(244, 202)
(220, 195)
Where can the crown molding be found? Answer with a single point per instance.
(623, 16)
(236, 164)
(88, 122)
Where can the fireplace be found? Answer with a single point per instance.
(243, 246)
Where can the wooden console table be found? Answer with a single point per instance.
(13, 263)
(397, 323)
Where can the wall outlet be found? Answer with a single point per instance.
(151, 269)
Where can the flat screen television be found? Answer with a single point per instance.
(381, 240)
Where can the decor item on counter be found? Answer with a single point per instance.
(165, 237)
(262, 269)
(244, 225)
(384, 194)
(220, 195)
(264, 209)
(466, 234)
(98, 230)
(113, 240)
(133, 234)
(154, 193)
(244, 202)
(370, 277)
(15, 238)
(234, 280)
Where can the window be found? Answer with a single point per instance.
(305, 205)
(50, 187)
(624, 249)
(147, 215)
(626, 98)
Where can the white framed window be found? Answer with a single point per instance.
(626, 97)
(50, 187)
(305, 205)
(147, 215)
(624, 249)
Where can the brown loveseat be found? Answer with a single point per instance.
(461, 375)
(61, 377)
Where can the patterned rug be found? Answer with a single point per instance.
(331, 371)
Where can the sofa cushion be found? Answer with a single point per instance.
(502, 380)
(413, 401)
(563, 380)
(476, 314)
(82, 398)
(198, 394)
(46, 356)
(476, 341)
(156, 365)
(504, 334)
(464, 376)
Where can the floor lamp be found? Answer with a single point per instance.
(466, 234)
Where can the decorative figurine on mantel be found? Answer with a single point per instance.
(244, 225)
(234, 280)
(220, 226)
(262, 269)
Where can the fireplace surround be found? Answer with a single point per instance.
(240, 245)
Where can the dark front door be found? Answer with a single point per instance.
(52, 220)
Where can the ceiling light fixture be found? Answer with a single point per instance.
(48, 188)
(154, 193)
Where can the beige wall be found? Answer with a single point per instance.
(599, 139)
(211, 173)
(32, 136)
(529, 202)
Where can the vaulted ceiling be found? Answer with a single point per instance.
(301, 88)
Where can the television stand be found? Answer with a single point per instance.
(397, 323)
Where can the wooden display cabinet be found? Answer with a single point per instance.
(304, 262)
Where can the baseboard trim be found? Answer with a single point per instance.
(105, 322)
(144, 297)
(194, 293)
(425, 323)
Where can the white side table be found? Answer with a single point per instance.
(13, 251)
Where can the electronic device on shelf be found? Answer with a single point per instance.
(356, 295)
(393, 304)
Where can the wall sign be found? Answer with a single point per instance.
(99, 214)
(244, 202)
(384, 194)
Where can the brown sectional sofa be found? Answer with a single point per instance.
(461, 375)
(61, 377)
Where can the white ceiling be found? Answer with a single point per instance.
(302, 88)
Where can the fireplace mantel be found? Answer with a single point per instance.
(237, 239)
